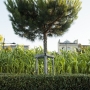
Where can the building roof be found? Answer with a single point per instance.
(66, 41)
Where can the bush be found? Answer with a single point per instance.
(43, 82)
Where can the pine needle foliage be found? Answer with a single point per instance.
(33, 18)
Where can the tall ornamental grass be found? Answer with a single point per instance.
(20, 60)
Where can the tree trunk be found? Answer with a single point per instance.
(45, 43)
(45, 52)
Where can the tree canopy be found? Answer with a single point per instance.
(41, 18)
(34, 18)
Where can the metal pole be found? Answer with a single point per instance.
(36, 65)
(53, 66)
(45, 64)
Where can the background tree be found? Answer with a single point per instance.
(1, 38)
(42, 18)
(1, 41)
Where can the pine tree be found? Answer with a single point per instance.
(41, 18)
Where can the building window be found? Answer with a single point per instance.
(63, 48)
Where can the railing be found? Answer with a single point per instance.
(5, 43)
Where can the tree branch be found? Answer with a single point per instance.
(53, 23)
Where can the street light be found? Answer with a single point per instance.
(6, 43)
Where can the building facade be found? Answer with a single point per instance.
(14, 46)
(67, 45)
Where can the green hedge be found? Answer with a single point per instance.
(61, 82)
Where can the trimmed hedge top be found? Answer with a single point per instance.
(44, 82)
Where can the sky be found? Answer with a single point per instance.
(80, 29)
